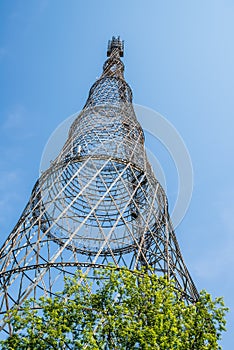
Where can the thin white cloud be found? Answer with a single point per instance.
(3, 52)
(8, 177)
(18, 123)
(9, 180)
(14, 119)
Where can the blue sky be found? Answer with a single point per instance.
(178, 61)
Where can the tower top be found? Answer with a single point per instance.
(115, 43)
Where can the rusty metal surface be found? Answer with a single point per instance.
(99, 203)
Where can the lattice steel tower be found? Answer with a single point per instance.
(98, 203)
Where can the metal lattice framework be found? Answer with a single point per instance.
(98, 203)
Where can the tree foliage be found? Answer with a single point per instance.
(124, 311)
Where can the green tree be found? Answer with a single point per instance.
(124, 311)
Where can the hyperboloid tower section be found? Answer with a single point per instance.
(98, 203)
